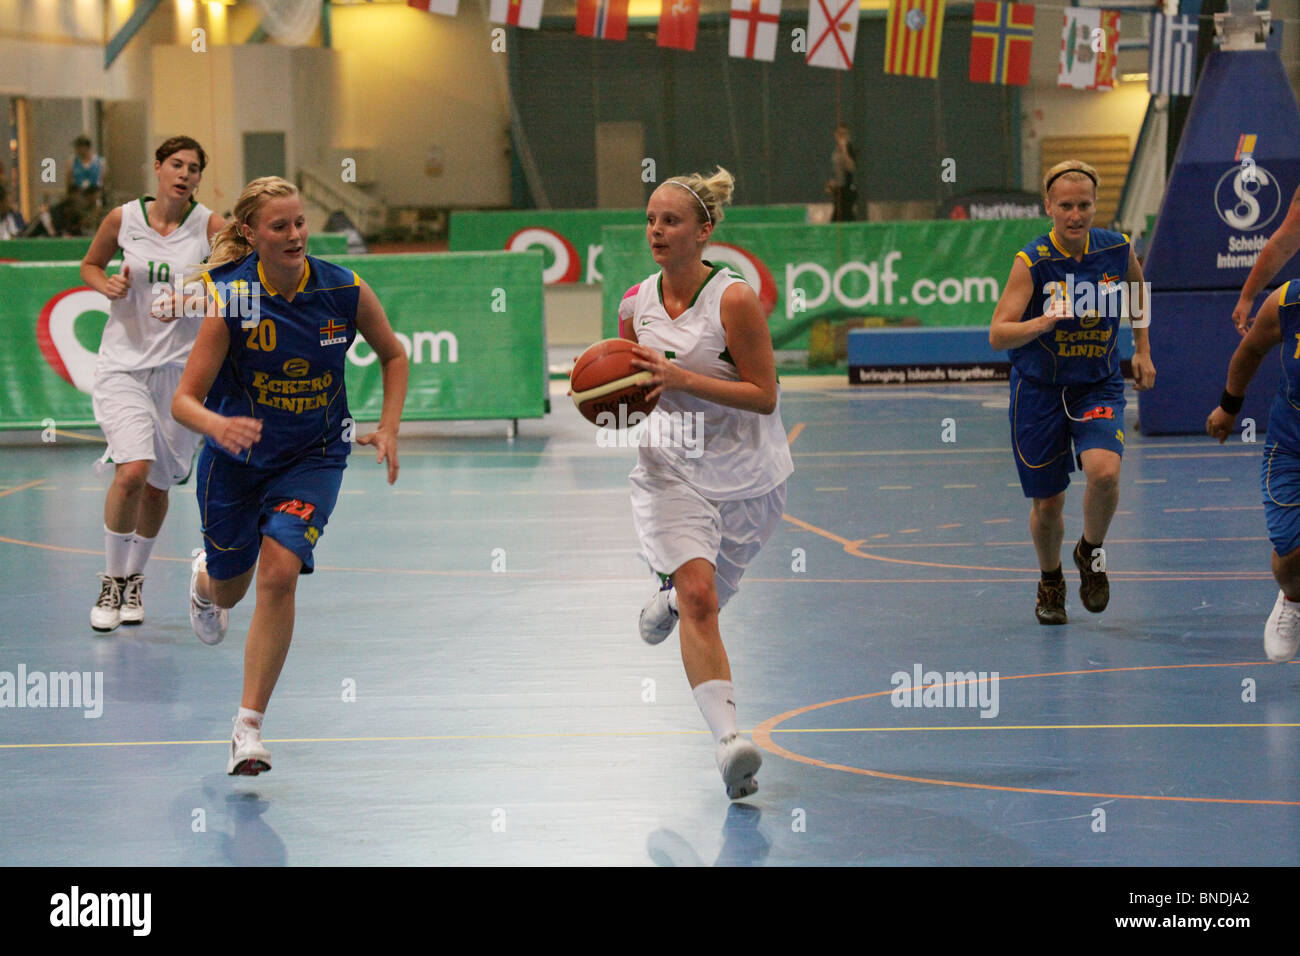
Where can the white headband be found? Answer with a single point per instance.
(697, 198)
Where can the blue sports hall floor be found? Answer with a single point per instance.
(466, 684)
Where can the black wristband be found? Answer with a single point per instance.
(1231, 403)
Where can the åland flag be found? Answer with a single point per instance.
(912, 35)
(517, 13)
(446, 7)
(1002, 36)
(753, 29)
(832, 33)
(1172, 66)
(606, 19)
(1089, 46)
(678, 22)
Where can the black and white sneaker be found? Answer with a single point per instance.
(106, 615)
(133, 599)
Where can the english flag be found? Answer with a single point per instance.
(832, 33)
(678, 22)
(1172, 66)
(1089, 46)
(446, 7)
(753, 29)
(1002, 35)
(517, 13)
(912, 36)
(606, 19)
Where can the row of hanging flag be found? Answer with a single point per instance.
(1002, 37)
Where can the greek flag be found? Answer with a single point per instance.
(1172, 68)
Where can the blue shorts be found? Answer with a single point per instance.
(239, 503)
(1279, 479)
(1042, 431)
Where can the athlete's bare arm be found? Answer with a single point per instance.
(1263, 337)
(1281, 246)
(1006, 330)
(101, 252)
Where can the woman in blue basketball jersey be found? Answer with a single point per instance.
(1059, 317)
(1278, 321)
(264, 383)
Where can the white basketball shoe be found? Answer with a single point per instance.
(1282, 632)
(208, 620)
(738, 761)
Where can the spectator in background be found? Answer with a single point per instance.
(843, 191)
(11, 221)
(85, 179)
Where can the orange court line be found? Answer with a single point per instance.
(763, 738)
(794, 433)
(30, 484)
(855, 548)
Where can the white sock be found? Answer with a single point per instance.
(717, 703)
(116, 549)
(141, 548)
(253, 718)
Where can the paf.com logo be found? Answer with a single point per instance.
(56, 335)
(565, 263)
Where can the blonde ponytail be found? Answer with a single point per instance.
(712, 191)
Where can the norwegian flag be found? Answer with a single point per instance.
(446, 7)
(754, 28)
(1172, 67)
(833, 32)
(679, 21)
(606, 19)
(517, 13)
(1002, 35)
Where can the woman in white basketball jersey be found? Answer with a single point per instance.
(709, 486)
(141, 357)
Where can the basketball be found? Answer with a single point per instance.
(605, 383)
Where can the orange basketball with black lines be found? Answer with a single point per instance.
(607, 387)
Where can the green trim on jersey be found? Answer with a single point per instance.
(708, 279)
(144, 211)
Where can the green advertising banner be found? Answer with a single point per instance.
(570, 239)
(472, 325)
(73, 248)
(923, 273)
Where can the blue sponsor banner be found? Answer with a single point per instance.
(1233, 178)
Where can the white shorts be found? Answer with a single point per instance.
(134, 411)
(676, 523)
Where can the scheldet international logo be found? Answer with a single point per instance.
(56, 334)
(750, 267)
(1247, 197)
(566, 266)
